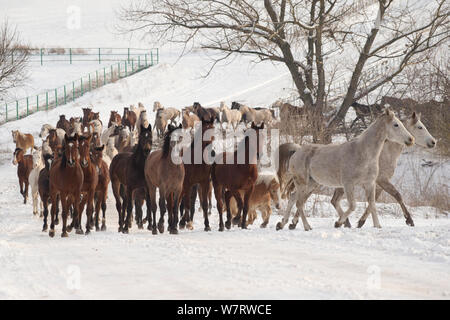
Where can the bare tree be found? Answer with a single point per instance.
(321, 42)
(13, 59)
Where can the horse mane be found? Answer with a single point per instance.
(167, 139)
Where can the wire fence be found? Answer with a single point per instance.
(69, 92)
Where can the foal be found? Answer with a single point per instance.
(236, 177)
(24, 166)
(162, 173)
(66, 180)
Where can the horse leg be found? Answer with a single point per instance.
(172, 203)
(138, 202)
(151, 205)
(228, 196)
(389, 188)
(98, 202)
(45, 204)
(104, 195)
(204, 190)
(191, 206)
(26, 191)
(65, 210)
(183, 211)
(266, 216)
(336, 202)
(349, 192)
(237, 218)
(366, 213)
(34, 197)
(304, 192)
(90, 211)
(116, 192)
(247, 196)
(162, 211)
(371, 208)
(219, 199)
(57, 208)
(128, 204)
(291, 202)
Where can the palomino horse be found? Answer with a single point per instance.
(162, 173)
(346, 165)
(90, 180)
(231, 178)
(197, 173)
(229, 116)
(66, 180)
(101, 192)
(24, 166)
(23, 141)
(387, 163)
(127, 172)
(189, 120)
(267, 189)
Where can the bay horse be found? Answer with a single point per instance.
(229, 179)
(24, 166)
(87, 117)
(129, 118)
(207, 114)
(197, 173)
(127, 176)
(63, 123)
(363, 110)
(114, 118)
(101, 191)
(345, 166)
(162, 173)
(66, 180)
(90, 181)
(387, 163)
(23, 141)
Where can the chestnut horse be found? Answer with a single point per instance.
(101, 192)
(129, 118)
(23, 140)
(24, 166)
(231, 178)
(63, 123)
(127, 172)
(90, 180)
(66, 180)
(197, 173)
(114, 118)
(161, 172)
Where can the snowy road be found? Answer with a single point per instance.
(394, 262)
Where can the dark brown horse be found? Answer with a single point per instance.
(197, 173)
(127, 176)
(229, 179)
(129, 118)
(161, 172)
(63, 123)
(207, 114)
(44, 188)
(87, 117)
(24, 166)
(115, 117)
(90, 180)
(101, 192)
(66, 180)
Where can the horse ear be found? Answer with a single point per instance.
(180, 126)
(389, 113)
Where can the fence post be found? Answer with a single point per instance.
(89, 76)
(73, 90)
(70, 55)
(157, 55)
(132, 65)
(126, 69)
(104, 76)
(139, 62)
(112, 73)
(81, 86)
(65, 99)
(128, 55)
(145, 60)
(46, 99)
(17, 110)
(37, 103)
(99, 58)
(41, 57)
(27, 106)
(56, 97)
(118, 70)
(96, 78)
(151, 58)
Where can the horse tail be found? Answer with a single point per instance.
(288, 186)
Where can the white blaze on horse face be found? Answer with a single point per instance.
(398, 133)
(420, 132)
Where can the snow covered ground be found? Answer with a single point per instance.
(393, 262)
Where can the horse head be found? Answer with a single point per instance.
(145, 140)
(415, 126)
(84, 149)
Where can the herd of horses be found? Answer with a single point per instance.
(78, 160)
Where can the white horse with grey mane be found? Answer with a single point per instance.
(353, 163)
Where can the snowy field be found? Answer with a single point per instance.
(395, 262)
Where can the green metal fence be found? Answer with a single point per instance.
(21, 108)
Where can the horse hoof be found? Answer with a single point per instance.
(140, 226)
(410, 222)
(120, 229)
(190, 226)
(44, 228)
(361, 223)
(173, 231)
(160, 228)
(347, 224)
(80, 231)
(207, 228)
(292, 226)
(279, 226)
(221, 228)
(228, 225)
(308, 228)
(337, 224)
(263, 225)
(103, 227)
(57, 222)
(64, 235)
(51, 233)
(236, 221)
(125, 231)
(145, 220)
(182, 225)
(69, 229)
(88, 231)
(154, 231)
